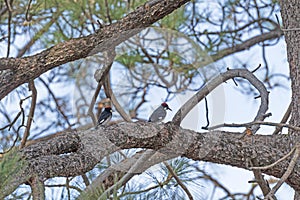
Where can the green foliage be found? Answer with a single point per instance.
(10, 165)
(174, 20)
(130, 59)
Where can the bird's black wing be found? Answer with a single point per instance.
(105, 115)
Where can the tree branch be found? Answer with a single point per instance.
(284, 119)
(211, 85)
(74, 153)
(117, 172)
(259, 179)
(286, 174)
(276, 33)
(109, 93)
(37, 188)
(279, 125)
(275, 163)
(29, 68)
(185, 189)
(31, 113)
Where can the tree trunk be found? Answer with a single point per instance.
(290, 12)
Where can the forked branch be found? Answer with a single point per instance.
(211, 85)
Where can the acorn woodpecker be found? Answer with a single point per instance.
(160, 113)
(105, 116)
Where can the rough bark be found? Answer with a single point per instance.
(21, 70)
(290, 10)
(83, 153)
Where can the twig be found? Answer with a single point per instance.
(8, 5)
(275, 163)
(85, 179)
(3, 38)
(37, 188)
(91, 107)
(277, 19)
(27, 11)
(135, 167)
(211, 85)
(21, 112)
(264, 186)
(255, 123)
(133, 112)
(7, 2)
(39, 34)
(234, 82)
(207, 115)
(290, 29)
(284, 119)
(31, 113)
(107, 12)
(100, 25)
(59, 107)
(64, 185)
(284, 29)
(12, 123)
(68, 187)
(256, 68)
(178, 180)
(216, 182)
(288, 172)
(109, 93)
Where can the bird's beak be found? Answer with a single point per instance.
(169, 108)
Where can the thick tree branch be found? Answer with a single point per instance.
(86, 148)
(29, 68)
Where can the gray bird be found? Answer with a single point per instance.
(160, 113)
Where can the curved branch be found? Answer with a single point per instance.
(276, 33)
(211, 85)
